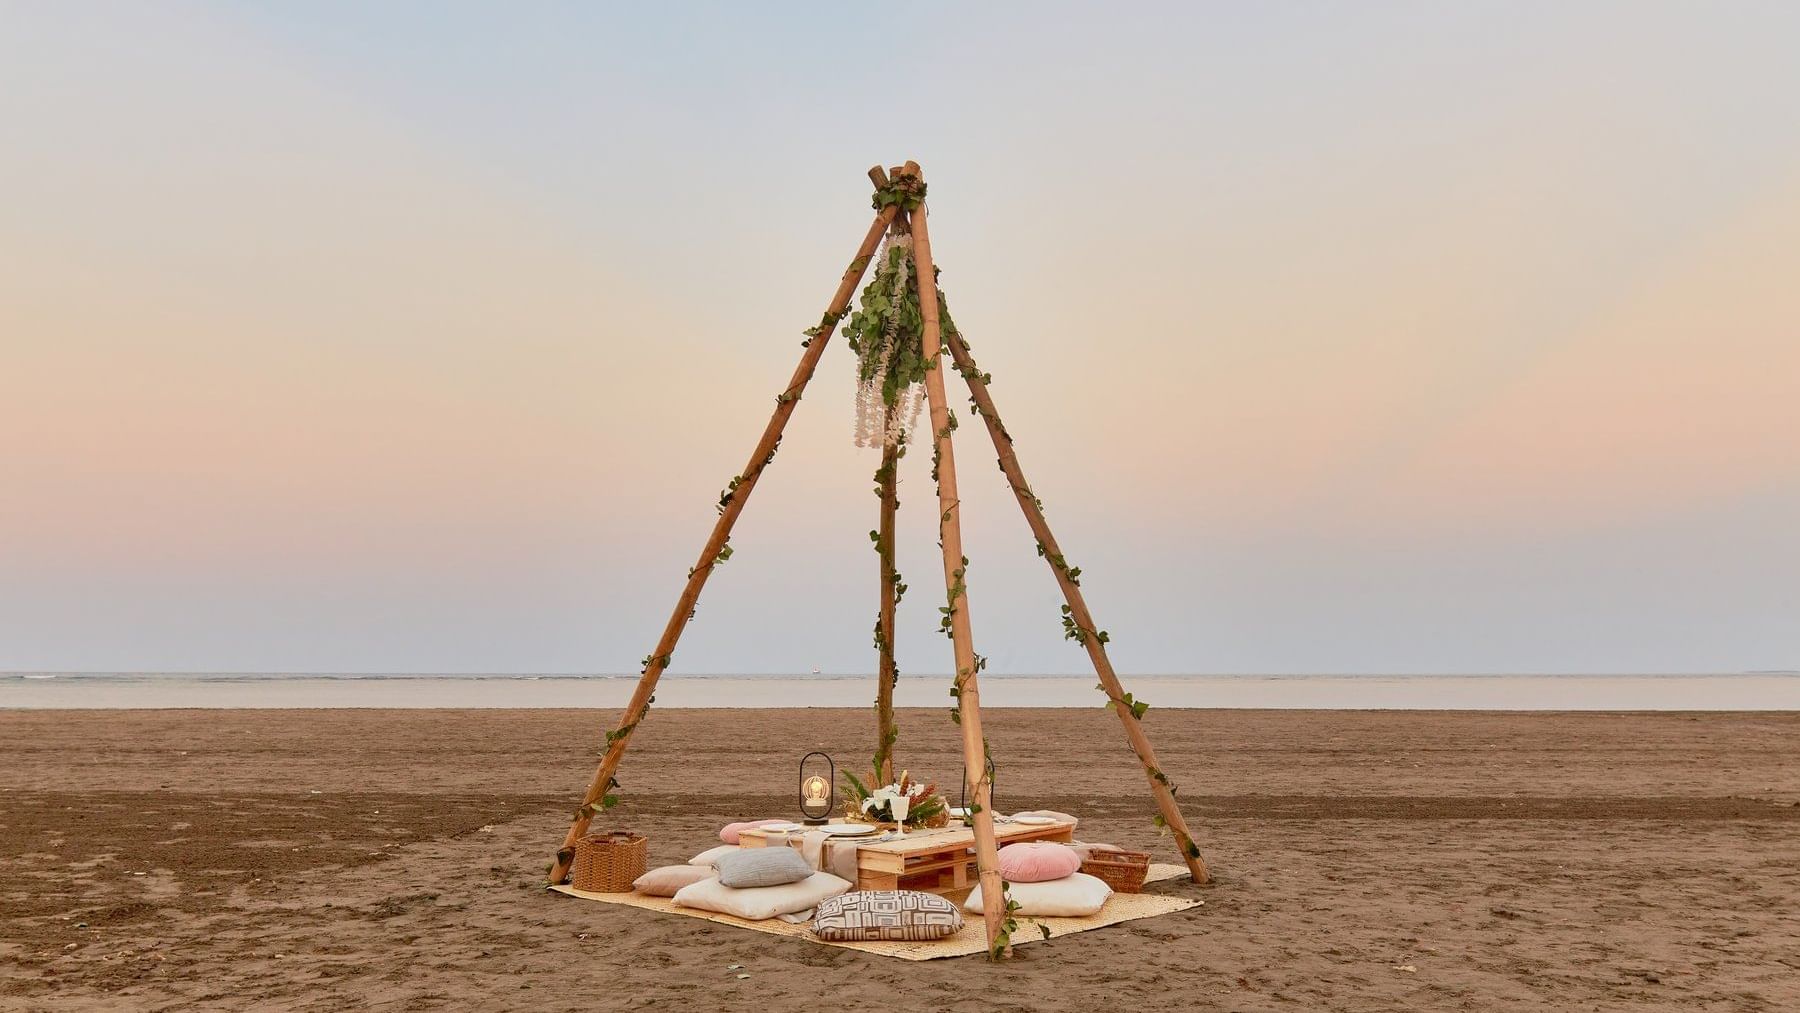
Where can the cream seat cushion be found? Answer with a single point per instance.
(1074, 896)
(758, 902)
(710, 857)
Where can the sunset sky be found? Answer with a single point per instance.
(1336, 338)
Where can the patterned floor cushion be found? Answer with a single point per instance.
(894, 915)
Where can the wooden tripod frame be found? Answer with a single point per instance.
(967, 686)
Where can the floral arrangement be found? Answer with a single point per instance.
(887, 337)
(926, 808)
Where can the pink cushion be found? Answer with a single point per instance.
(1037, 862)
(730, 834)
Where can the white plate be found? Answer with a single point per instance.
(779, 828)
(848, 829)
(1033, 821)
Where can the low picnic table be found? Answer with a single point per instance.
(938, 861)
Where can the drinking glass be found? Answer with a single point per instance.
(899, 808)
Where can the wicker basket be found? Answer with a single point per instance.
(610, 862)
(1124, 871)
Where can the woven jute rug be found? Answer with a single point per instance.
(1120, 907)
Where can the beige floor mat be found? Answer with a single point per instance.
(1120, 907)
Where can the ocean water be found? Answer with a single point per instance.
(1739, 691)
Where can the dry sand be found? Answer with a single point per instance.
(344, 859)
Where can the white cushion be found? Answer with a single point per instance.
(758, 902)
(1074, 896)
(710, 857)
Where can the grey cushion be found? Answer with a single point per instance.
(897, 915)
(762, 867)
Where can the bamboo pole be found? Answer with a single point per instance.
(993, 894)
(733, 505)
(886, 672)
(1160, 785)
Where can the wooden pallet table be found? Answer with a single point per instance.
(937, 861)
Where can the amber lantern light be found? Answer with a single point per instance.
(818, 788)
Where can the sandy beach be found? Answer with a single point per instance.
(346, 859)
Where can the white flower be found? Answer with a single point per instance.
(881, 798)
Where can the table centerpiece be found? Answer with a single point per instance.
(917, 803)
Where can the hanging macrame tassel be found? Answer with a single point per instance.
(868, 389)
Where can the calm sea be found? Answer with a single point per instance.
(1742, 691)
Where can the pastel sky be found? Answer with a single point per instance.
(1336, 337)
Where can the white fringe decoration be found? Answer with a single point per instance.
(877, 425)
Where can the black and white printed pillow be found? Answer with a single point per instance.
(892, 915)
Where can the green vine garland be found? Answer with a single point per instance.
(904, 190)
(884, 749)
